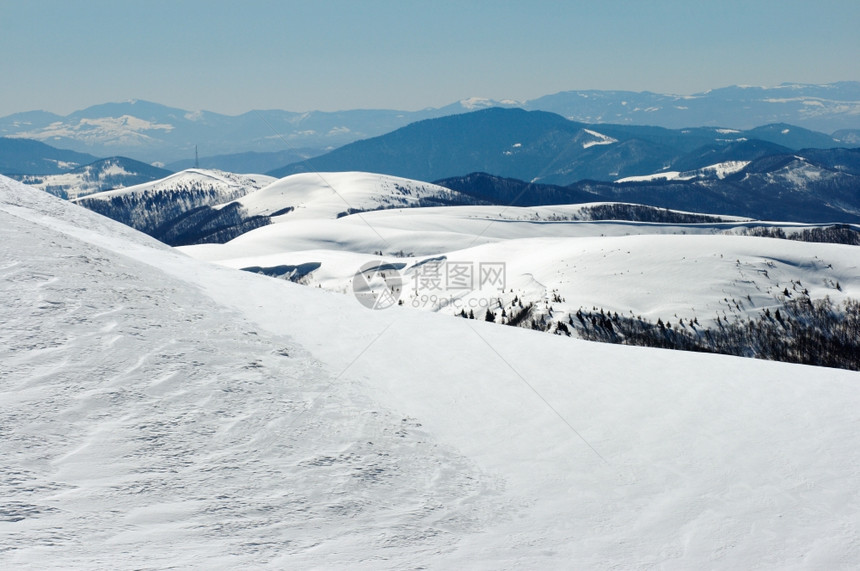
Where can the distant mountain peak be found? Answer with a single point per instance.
(475, 103)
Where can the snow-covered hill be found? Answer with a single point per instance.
(224, 186)
(558, 260)
(180, 209)
(200, 206)
(334, 194)
(102, 175)
(164, 412)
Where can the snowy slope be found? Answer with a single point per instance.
(228, 185)
(667, 271)
(598, 139)
(204, 206)
(333, 194)
(162, 412)
(718, 170)
(183, 208)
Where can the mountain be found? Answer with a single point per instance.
(819, 107)
(24, 156)
(494, 140)
(165, 410)
(793, 137)
(183, 208)
(105, 174)
(545, 147)
(812, 185)
(157, 133)
(743, 149)
(807, 186)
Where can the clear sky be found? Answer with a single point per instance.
(300, 55)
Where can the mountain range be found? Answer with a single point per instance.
(539, 146)
(508, 142)
(827, 108)
(812, 185)
(157, 133)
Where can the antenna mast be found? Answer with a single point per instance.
(196, 158)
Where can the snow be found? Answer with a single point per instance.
(474, 103)
(432, 230)
(85, 181)
(115, 169)
(724, 169)
(666, 175)
(599, 139)
(655, 271)
(719, 170)
(229, 184)
(667, 271)
(327, 195)
(64, 164)
(798, 173)
(125, 129)
(160, 409)
(816, 105)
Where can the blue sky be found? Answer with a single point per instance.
(232, 57)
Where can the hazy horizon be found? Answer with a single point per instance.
(500, 100)
(339, 55)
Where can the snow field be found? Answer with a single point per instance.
(160, 411)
